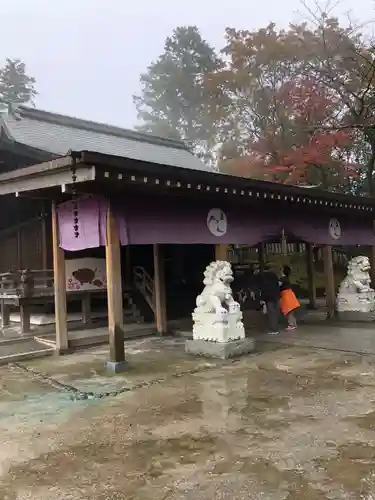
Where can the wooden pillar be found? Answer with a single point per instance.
(5, 314)
(86, 309)
(128, 269)
(330, 281)
(114, 295)
(160, 292)
(221, 252)
(310, 270)
(59, 281)
(19, 249)
(261, 256)
(43, 248)
(25, 318)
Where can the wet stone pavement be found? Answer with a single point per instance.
(287, 423)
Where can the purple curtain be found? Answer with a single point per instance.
(92, 224)
(147, 220)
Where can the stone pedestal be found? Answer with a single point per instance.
(221, 350)
(358, 316)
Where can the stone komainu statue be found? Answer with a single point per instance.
(355, 292)
(218, 316)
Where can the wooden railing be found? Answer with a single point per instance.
(26, 283)
(145, 285)
(243, 253)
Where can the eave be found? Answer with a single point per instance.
(95, 170)
(7, 143)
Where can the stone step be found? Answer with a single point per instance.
(21, 351)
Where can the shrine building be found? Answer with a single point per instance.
(147, 208)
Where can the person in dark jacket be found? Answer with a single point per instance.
(270, 295)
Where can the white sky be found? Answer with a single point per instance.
(87, 55)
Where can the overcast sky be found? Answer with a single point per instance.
(87, 55)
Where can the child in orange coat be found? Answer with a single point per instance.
(288, 300)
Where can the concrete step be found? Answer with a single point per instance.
(96, 336)
(29, 348)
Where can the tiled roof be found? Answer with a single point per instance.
(59, 134)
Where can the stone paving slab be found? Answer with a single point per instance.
(358, 339)
(148, 359)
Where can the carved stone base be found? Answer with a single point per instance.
(221, 350)
(354, 305)
(358, 316)
(116, 366)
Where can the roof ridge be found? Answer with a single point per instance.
(99, 127)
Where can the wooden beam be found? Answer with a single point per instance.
(59, 280)
(114, 293)
(330, 281)
(44, 180)
(311, 278)
(221, 252)
(160, 292)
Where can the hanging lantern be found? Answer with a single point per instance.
(284, 246)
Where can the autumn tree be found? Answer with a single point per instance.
(278, 119)
(173, 100)
(342, 60)
(311, 152)
(297, 152)
(16, 86)
(243, 93)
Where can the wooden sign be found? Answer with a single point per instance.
(85, 274)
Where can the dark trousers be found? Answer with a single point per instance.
(273, 312)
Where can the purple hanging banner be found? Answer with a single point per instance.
(178, 221)
(92, 224)
(147, 220)
(334, 230)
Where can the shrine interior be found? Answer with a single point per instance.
(184, 266)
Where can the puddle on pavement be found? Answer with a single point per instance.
(290, 483)
(110, 463)
(39, 409)
(303, 384)
(352, 468)
(18, 387)
(366, 421)
(92, 376)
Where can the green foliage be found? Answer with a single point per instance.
(173, 99)
(16, 87)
